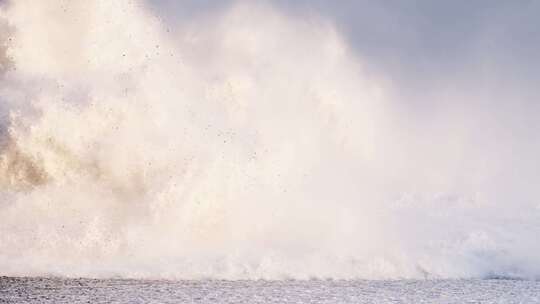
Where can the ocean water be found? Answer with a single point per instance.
(55, 290)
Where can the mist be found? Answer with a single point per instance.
(252, 140)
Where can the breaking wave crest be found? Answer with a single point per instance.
(242, 144)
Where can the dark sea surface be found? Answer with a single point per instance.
(57, 290)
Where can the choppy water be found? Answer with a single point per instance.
(55, 290)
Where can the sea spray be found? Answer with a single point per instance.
(246, 145)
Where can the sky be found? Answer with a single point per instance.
(426, 45)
